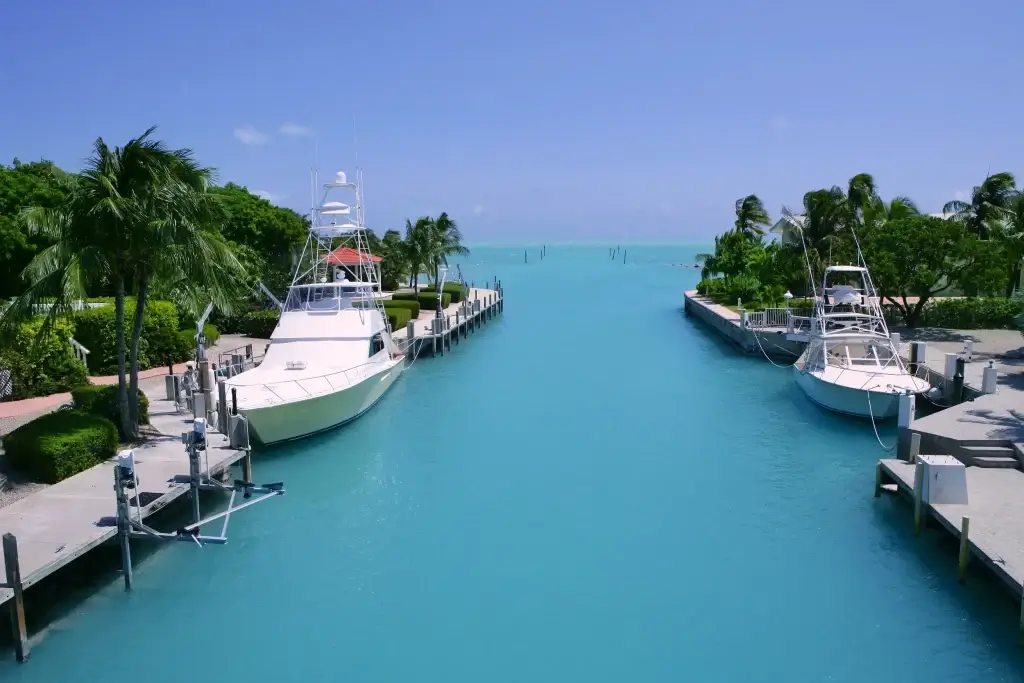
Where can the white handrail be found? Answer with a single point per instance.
(80, 351)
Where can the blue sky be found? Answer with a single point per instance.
(563, 120)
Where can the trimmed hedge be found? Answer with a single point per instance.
(398, 317)
(413, 306)
(260, 324)
(102, 400)
(457, 290)
(95, 330)
(427, 300)
(58, 445)
(974, 313)
(41, 366)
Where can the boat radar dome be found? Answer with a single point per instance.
(340, 178)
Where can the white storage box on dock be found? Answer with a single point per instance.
(944, 481)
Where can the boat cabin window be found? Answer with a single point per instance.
(329, 296)
(376, 344)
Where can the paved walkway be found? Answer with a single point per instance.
(64, 521)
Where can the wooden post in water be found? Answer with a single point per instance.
(915, 448)
(878, 479)
(919, 506)
(12, 567)
(458, 327)
(965, 549)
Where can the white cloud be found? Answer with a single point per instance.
(478, 210)
(248, 135)
(269, 196)
(294, 129)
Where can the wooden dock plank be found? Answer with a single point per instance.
(66, 520)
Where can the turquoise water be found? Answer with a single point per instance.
(593, 488)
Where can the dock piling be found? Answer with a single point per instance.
(958, 382)
(919, 509)
(965, 551)
(123, 526)
(878, 480)
(12, 567)
(915, 448)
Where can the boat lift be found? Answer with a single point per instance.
(199, 479)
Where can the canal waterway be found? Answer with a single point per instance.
(594, 488)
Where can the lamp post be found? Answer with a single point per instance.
(787, 296)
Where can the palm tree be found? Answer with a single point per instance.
(1010, 233)
(879, 211)
(134, 215)
(751, 216)
(417, 245)
(446, 240)
(860, 193)
(989, 202)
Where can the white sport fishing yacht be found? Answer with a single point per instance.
(331, 356)
(850, 364)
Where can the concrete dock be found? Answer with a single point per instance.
(995, 509)
(769, 340)
(62, 522)
(459, 320)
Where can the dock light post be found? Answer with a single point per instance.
(787, 296)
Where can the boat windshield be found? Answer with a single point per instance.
(330, 296)
(854, 354)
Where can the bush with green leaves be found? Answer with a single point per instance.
(457, 290)
(58, 445)
(101, 399)
(742, 287)
(41, 365)
(974, 313)
(427, 300)
(398, 318)
(95, 329)
(260, 324)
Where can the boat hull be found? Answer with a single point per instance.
(297, 419)
(848, 400)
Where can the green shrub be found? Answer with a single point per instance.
(97, 399)
(974, 313)
(261, 324)
(413, 306)
(711, 287)
(95, 329)
(58, 445)
(743, 287)
(427, 300)
(41, 365)
(457, 290)
(398, 317)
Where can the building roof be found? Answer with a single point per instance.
(347, 256)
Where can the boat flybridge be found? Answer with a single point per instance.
(331, 356)
(850, 364)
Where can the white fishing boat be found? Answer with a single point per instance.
(331, 356)
(851, 364)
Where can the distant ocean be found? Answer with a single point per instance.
(593, 488)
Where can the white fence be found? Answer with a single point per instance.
(784, 318)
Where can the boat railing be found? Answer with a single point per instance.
(238, 360)
(331, 382)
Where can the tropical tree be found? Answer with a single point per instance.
(135, 216)
(445, 241)
(990, 202)
(394, 264)
(751, 217)
(417, 247)
(1009, 233)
